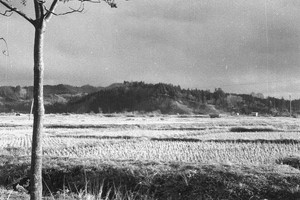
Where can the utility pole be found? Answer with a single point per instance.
(290, 105)
(31, 109)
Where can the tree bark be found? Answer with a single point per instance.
(38, 112)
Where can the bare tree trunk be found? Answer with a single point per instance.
(38, 112)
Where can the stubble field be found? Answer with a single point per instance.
(256, 147)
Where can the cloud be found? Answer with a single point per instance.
(203, 44)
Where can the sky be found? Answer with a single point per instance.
(240, 46)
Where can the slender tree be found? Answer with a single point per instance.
(44, 10)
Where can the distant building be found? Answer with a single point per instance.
(255, 114)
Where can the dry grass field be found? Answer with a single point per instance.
(202, 158)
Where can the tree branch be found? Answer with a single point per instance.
(37, 9)
(111, 3)
(7, 13)
(5, 52)
(49, 13)
(42, 9)
(13, 9)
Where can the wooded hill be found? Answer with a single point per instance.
(19, 99)
(141, 97)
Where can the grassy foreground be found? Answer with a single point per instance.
(91, 179)
(97, 157)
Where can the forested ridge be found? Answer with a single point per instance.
(172, 99)
(143, 97)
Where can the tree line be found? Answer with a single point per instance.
(139, 96)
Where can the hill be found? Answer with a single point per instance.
(138, 96)
(19, 98)
(142, 97)
(170, 99)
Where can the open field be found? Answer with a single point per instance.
(256, 155)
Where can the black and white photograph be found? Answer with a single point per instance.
(150, 100)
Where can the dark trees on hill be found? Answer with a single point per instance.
(139, 96)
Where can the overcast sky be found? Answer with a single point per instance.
(242, 46)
